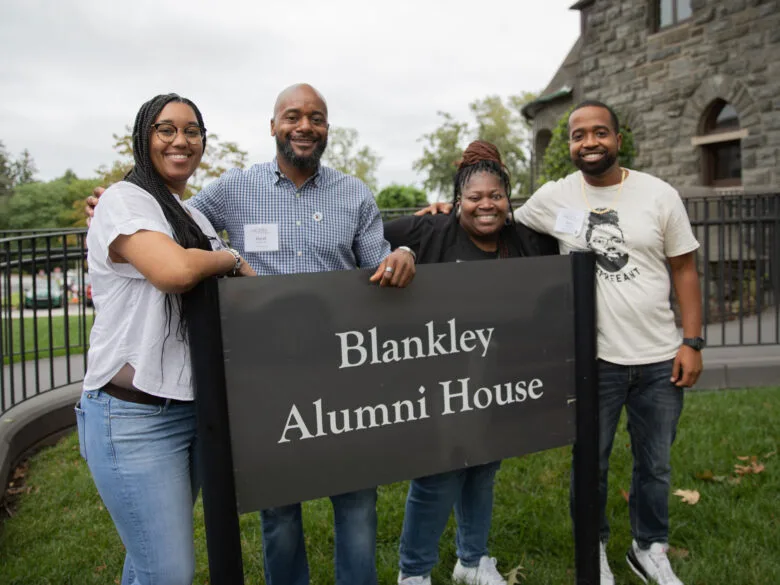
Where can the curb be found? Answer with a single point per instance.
(36, 422)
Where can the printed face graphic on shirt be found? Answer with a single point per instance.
(605, 238)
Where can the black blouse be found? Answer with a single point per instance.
(439, 238)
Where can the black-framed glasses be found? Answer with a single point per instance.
(167, 132)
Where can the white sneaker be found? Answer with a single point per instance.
(483, 574)
(607, 578)
(652, 564)
(413, 580)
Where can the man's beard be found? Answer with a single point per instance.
(304, 163)
(595, 169)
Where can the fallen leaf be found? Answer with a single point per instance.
(624, 493)
(719, 478)
(101, 568)
(688, 496)
(705, 475)
(514, 576)
(770, 454)
(744, 457)
(734, 480)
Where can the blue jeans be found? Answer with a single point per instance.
(284, 551)
(143, 462)
(428, 505)
(653, 406)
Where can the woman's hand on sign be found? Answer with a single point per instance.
(396, 270)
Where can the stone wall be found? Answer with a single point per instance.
(661, 83)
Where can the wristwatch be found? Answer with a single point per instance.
(237, 256)
(696, 343)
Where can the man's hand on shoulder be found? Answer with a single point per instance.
(91, 202)
(434, 208)
(396, 270)
(687, 367)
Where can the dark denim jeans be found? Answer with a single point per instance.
(284, 551)
(470, 492)
(653, 406)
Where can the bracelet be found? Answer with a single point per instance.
(237, 256)
(408, 249)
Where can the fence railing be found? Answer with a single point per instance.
(46, 312)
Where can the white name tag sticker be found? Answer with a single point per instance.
(569, 221)
(261, 237)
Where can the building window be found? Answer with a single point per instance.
(543, 138)
(671, 12)
(720, 140)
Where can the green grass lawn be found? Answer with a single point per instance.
(60, 534)
(78, 331)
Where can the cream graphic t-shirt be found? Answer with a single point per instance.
(632, 231)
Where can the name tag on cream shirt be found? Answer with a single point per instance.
(261, 237)
(569, 221)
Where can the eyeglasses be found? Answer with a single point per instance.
(167, 133)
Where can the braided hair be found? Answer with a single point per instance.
(483, 157)
(186, 232)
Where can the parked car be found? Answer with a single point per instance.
(44, 296)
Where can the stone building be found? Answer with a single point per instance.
(698, 82)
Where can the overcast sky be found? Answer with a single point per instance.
(75, 71)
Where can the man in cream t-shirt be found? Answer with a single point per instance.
(637, 226)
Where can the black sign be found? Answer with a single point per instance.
(334, 384)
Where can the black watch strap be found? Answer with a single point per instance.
(696, 343)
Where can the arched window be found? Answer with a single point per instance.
(720, 140)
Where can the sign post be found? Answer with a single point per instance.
(312, 385)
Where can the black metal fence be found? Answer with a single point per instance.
(46, 312)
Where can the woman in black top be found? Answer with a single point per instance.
(481, 228)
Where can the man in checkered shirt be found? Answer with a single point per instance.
(293, 215)
(288, 216)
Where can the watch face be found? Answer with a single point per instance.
(696, 343)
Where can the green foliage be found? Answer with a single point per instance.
(61, 533)
(52, 204)
(343, 154)
(401, 196)
(441, 152)
(503, 127)
(557, 161)
(24, 168)
(496, 121)
(218, 158)
(13, 173)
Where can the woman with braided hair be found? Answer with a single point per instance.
(136, 416)
(481, 228)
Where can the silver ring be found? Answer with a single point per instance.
(389, 269)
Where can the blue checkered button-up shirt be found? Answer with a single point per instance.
(330, 223)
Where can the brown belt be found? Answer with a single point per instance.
(139, 397)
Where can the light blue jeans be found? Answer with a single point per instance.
(428, 505)
(143, 462)
(284, 551)
(653, 407)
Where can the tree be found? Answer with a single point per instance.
(6, 185)
(557, 160)
(24, 168)
(503, 127)
(400, 196)
(218, 158)
(38, 204)
(344, 155)
(496, 121)
(441, 152)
